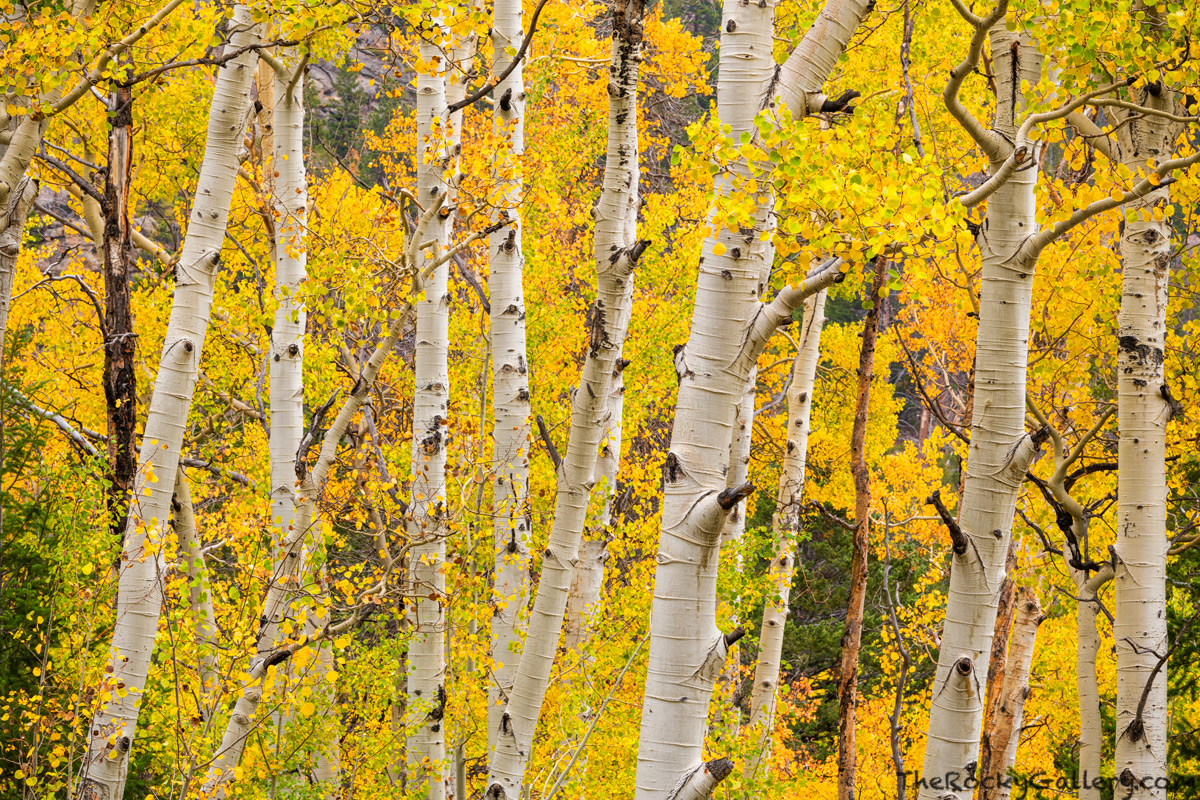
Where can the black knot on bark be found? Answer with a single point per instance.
(963, 666)
(729, 498)
(841, 103)
(638, 248)
(720, 768)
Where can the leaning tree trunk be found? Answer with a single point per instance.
(511, 433)
(120, 377)
(286, 572)
(1000, 450)
(1144, 407)
(856, 603)
(729, 330)
(1015, 691)
(616, 253)
(199, 591)
(427, 528)
(139, 600)
(588, 579)
(786, 529)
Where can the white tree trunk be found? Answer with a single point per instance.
(511, 433)
(287, 334)
(287, 567)
(1143, 411)
(20, 203)
(588, 580)
(139, 602)
(616, 252)
(427, 528)
(1007, 734)
(1000, 451)
(786, 525)
(1091, 733)
(729, 329)
(199, 591)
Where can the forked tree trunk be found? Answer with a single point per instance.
(856, 603)
(427, 510)
(1015, 691)
(511, 433)
(616, 252)
(1000, 450)
(1144, 407)
(729, 330)
(139, 599)
(786, 529)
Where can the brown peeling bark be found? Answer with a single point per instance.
(852, 638)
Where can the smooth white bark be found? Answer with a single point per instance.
(1000, 450)
(616, 251)
(1143, 411)
(588, 580)
(730, 327)
(786, 527)
(427, 512)
(139, 599)
(287, 333)
(511, 432)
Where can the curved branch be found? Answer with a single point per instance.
(987, 140)
(496, 80)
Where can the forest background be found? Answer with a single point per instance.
(871, 183)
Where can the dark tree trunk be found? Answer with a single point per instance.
(852, 638)
(120, 345)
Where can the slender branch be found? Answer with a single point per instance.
(1153, 181)
(496, 80)
(562, 777)
(987, 140)
(957, 538)
(555, 458)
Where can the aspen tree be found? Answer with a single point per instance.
(616, 250)
(289, 558)
(995, 784)
(1145, 406)
(1000, 450)
(1089, 578)
(139, 600)
(730, 327)
(290, 201)
(199, 589)
(856, 603)
(428, 510)
(785, 527)
(511, 432)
